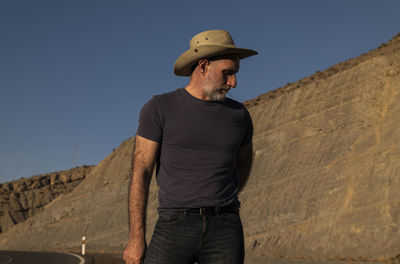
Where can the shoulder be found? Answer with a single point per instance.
(237, 106)
(172, 95)
(234, 104)
(158, 100)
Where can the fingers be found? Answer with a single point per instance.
(132, 261)
(129, 258)
(134, 252)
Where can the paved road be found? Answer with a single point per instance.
(21, 257)
(261, 260)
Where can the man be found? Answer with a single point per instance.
(201, 142)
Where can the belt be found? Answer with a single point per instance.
(211, 210)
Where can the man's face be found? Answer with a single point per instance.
(220, 78)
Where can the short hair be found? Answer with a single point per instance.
(194, 66)
(214, 58)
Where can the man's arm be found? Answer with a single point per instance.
(243, 164)
(145, 155)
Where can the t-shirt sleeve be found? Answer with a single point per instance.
(151, 120)
(248, 136)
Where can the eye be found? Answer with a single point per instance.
(227, 73)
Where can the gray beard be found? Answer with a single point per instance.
(219, 94)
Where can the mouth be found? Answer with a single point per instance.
(225, 90)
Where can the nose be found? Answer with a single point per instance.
(231, 81)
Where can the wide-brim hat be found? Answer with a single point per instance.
(208, 44)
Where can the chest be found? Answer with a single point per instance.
(203, 126)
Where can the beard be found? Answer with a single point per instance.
(218, 94)
(215, 90)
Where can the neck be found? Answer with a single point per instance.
(195, 90)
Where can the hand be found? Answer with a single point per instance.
(134, 251)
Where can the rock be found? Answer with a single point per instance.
(54, 178)
(22, 198)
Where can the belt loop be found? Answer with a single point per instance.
(201, 210)
(217, 210)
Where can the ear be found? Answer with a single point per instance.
(203, 65)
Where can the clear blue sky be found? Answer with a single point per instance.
(78, 71)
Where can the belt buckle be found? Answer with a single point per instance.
(210, 211)
(205, 211)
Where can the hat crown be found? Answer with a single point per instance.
(212, 37)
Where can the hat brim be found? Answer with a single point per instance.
(186, 60)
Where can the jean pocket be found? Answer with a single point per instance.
(231, 219)
(170, 219)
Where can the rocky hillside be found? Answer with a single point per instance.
(23, 198)
(96, 208)
(325, 181)
(326, 177)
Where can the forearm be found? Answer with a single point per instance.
(243, 176)
(138, 195)
(243, 165)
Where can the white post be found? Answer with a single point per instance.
(83, 245)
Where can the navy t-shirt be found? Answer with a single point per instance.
(199, 142)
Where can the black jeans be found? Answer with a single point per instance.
(185, 238)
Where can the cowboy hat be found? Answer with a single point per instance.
(208, 44)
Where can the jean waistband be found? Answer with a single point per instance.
(212, 211)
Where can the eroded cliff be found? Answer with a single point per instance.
(23, 198)
(325, 181)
